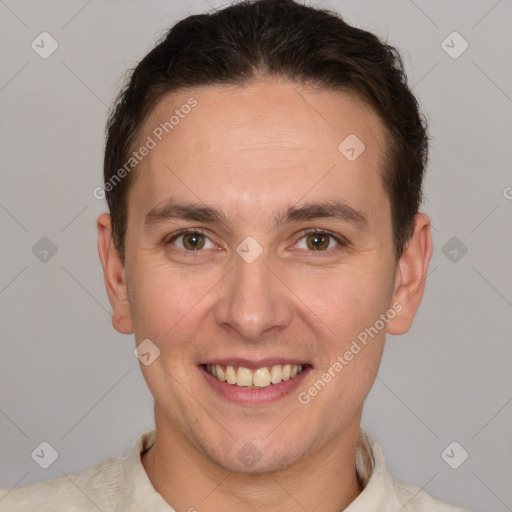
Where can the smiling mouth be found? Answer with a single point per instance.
(260, 378)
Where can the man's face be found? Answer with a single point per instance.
(253, 154)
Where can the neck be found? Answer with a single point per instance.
(189, 480)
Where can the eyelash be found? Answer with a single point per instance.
(196, 231)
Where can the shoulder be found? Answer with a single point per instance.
(91, 489)
(386, 493)
(412, 499)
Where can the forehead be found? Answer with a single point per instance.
(265, 144)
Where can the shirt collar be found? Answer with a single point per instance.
(140, 493)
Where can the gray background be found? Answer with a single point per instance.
(66, 377)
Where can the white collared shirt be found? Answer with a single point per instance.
(122, 485)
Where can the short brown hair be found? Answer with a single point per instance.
(281, 39)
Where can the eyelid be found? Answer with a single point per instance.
(339, 238)
(186, 231)
(342, 241)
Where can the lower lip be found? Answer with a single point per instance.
(254, 396)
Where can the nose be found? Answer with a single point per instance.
(253, 301)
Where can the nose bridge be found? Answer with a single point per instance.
(253, 300)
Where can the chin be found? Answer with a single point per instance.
(256, 458)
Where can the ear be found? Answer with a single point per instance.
(411, 275)
(114, 276)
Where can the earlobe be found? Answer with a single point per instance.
(114, 276)
(411, 275)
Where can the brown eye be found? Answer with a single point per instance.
(193, 241)
(190, 241)
(319, 241)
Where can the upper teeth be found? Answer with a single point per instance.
(261, 378)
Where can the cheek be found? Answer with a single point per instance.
(169, 312)
(344, 302)
(167, 305)
(352, 309)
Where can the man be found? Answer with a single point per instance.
(263, 172)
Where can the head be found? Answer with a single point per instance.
(291, 146)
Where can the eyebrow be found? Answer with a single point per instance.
(199, 212)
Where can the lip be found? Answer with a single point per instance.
(254, 396)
